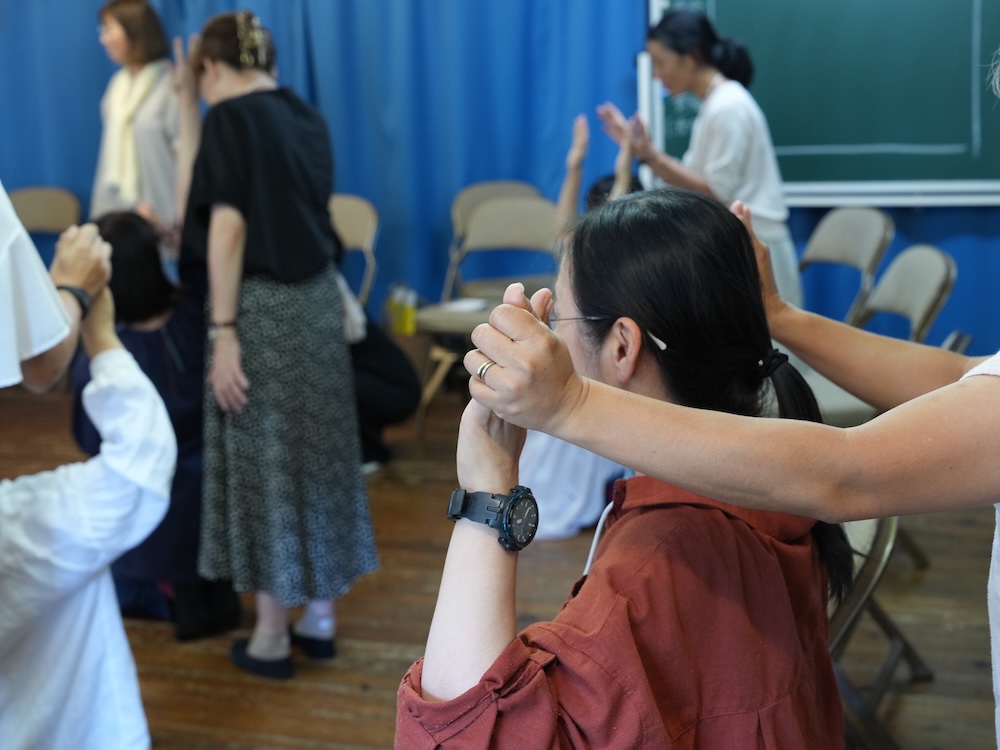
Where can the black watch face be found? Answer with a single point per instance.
(522, 521)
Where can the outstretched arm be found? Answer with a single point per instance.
(880, 370)
(934, 453)
(474, 620)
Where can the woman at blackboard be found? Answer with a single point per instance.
(730, 156)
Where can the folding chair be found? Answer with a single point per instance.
(513, 222)
(872, 541)
(356, 222)
(853, 236)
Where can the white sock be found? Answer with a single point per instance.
(317, 621)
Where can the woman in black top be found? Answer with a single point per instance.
(285, 510)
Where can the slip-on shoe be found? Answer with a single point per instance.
(314, 648)
(272, 669)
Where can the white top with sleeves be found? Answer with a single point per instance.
(731, 147)
(67, 677)
(157, 128)
(992, 367)
(32, 316)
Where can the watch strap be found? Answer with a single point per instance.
(481, 507)
(82, 297)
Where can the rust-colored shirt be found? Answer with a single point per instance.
(701, 625)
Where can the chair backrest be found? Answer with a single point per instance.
(854, 236)
(355, 220)
(45, 209)
(512, 222)
(468, 198)
(916, 285)
(872, 541)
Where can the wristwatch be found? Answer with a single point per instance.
(514, 516)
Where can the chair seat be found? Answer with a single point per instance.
(459, 317)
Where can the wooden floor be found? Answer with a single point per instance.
(194, 698)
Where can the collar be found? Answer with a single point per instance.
(645, 492)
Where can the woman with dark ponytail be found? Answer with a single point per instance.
(698, 623)
(730, 156)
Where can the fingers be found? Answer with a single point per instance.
(541, 304)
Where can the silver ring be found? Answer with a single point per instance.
(481, 372)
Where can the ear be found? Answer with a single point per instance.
(622, 349)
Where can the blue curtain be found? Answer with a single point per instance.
(422, 97)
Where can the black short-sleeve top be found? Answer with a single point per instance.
(267, 154)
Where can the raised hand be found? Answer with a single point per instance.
(773, 304)
(82, 259)
(615, 124)
(581, 140)
(185, 84)
(533, 383)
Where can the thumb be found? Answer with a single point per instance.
(514, 295)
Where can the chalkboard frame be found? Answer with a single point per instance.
(883, 192)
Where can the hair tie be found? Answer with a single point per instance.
(718, 51)
(771, 362)
(252, 40)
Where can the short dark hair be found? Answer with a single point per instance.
(138, 284)
(689, 32)
(237, 39)
(147, 42)
(600, 189)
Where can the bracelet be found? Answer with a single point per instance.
(215, 328)
(81, 295)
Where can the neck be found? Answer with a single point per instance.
(705, 82)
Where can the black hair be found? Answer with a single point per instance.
(138, 284)
(689, 32)
(597, 193)
(683, 268)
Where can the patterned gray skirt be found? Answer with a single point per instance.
(285, 509)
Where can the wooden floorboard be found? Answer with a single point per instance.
(196, 701)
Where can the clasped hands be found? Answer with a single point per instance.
(533, 384)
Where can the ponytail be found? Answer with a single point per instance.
(797, 401)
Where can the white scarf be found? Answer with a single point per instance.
(120, 152)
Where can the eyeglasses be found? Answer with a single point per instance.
(660, 343)
(553, 319)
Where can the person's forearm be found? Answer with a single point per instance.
(187, 149)
(931, 454)
(226, 240)
(42, 372)
(474, 620)
(671, 170)
(880, 370)
(568, 204)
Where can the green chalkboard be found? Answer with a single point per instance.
(867, 90)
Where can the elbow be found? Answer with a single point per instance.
(41, 374)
